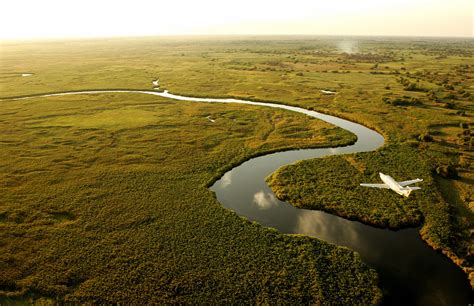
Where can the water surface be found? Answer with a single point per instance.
(411, 272)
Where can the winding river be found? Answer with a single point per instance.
(411, 272)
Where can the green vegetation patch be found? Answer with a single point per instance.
(332, 184)
(126, 118)
(413, 90)
(104, 200)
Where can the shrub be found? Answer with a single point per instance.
(449, 105)
(405, 101)
(413, 87)
(449, 171)
(431, 95)
(426, 137)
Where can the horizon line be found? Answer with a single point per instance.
(72, 38)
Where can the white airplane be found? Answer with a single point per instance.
(401, 188)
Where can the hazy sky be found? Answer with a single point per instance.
(98, 18)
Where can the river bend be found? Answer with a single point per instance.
(411, 272)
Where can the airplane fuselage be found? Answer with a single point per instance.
(402, 188)
(392, 184)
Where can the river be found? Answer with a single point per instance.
(411, 273)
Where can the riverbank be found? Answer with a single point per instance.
(98, 207)
(332, 185)
(374, 87)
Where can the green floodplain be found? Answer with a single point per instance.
(104, 197)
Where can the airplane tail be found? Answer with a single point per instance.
(410, 189)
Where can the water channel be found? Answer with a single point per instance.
(411, 272)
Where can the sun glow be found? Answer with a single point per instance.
(56, 18)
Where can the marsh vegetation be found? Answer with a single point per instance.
(332, 184)
(81, 176)
(113, 187)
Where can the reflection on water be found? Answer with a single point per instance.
(265, 200)
(226, 180)
(411, 269)
(322, 226)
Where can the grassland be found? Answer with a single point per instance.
(104, 199)
(332, 184)
(417, 92)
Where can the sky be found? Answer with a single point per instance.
(36, 19)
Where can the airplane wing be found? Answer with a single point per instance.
(406, 183)
(376, 185)
(414, 188)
